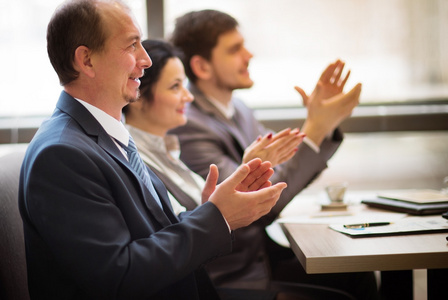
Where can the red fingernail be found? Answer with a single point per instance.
(269, 135)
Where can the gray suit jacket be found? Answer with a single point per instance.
(93, 231)
(209, 137)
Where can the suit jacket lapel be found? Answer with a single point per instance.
(228, 125)
(163, 195)
(91, 126)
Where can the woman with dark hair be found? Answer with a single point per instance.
(161, 107)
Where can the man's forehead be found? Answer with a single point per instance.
(230, 39)
(120, 21)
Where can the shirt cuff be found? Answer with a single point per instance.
(228, 226)
(311, 144)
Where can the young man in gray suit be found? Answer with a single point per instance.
(96, 226)
(222, 130)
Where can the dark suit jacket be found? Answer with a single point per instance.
(246, 266)
(93, 231)
(209, 137)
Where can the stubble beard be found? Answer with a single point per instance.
(223, 84)
(130, 99)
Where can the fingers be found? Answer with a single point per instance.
(241, 209)
(274, 147)
(327, 74)
(342, 84)
(280, 134)
(231, 182)
(337, 73)
(257, 183)
(210, 183)
(333, 74)
(261, 202)
(265, 185)
(262, 142)
(284, 146)
(269, 196)
(256, 179)
(254, 164)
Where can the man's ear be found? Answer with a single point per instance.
(82, 61)
(201, 67)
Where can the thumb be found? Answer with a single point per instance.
(352, 96)
(303, 94)
(357, 89)
(210, 183)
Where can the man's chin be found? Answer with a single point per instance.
(242, 86)
(132, 99)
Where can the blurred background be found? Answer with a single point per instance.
(398, 49)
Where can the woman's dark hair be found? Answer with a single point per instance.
(160, 52)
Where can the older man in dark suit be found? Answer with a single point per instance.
(97, 225)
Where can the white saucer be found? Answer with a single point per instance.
(334, 206)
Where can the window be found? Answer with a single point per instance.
(397, 48)
(28, 82)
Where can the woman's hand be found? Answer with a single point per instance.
(276, 148)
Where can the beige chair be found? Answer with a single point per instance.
(13, 278)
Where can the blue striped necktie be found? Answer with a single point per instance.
(140, 168)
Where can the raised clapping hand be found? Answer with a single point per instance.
(246, 195)
(327, 105)
(276, 148)
(330, 82)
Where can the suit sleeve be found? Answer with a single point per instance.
(76, 205)
(202, 145)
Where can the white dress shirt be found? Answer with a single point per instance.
(112, 126)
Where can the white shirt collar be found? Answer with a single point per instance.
(227, 110)
(112, 126)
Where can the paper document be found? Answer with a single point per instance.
(407, 225)
(343, 217)
(275, 232)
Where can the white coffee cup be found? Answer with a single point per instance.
(336, 191)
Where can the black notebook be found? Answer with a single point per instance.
(408, 207)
